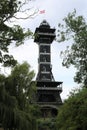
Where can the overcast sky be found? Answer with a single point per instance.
(55, 11)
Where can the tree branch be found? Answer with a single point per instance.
(30, 16)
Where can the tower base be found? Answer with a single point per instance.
(48, 97)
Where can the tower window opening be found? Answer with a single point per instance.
(44, 69)
(44, 49)
(44, 59)
(47, 98)
(44, 77)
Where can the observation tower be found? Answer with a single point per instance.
(48, 90)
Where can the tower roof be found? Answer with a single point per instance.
(44, 23)
(44, 31)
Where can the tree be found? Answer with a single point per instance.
(11, 33)
(49, 123)
(19, 83)
(16, 92)
(75, 30)
(72, 115)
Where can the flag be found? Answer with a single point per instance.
(42, 11)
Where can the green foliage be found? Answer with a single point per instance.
(16, 91)
(19, 83)
(72, 115)
(10, 34)
(46, 124)
(74, 29)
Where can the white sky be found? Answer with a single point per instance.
(55, 11)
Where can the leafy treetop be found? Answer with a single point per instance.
(16, 90)
(75, 28)
(10, 34)
(72, 115)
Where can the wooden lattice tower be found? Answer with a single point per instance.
(48, 90)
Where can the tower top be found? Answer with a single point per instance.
(44, 31)
(45, 24)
